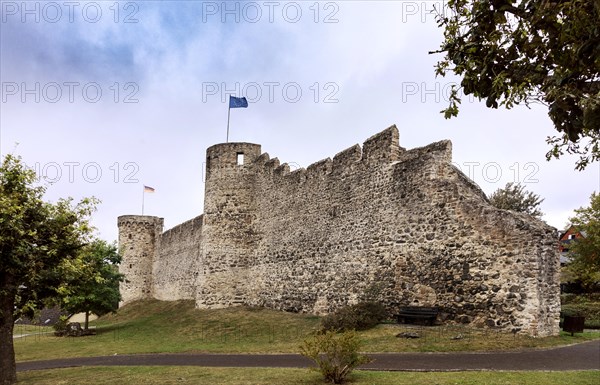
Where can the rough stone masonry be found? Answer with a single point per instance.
(404, 227)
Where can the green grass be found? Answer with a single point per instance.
(154, 326)
(32, 329)
(229, 376)
(457, 338)
(169, 327)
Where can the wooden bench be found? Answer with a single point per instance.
(421, 313)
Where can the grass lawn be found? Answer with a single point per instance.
(154, 326)
(31, 329)
(229, 376)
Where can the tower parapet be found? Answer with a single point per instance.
(139, 238)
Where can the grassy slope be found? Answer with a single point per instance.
(155, 326)
(230, 376)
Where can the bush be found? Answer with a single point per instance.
(569, 298)
(361, 316)
(60, 327)
(586, 305)
(589, 310)
(336, 354)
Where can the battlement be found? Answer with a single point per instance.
(298, 176)
(379, 150)
(230, 156)
(346, 160)
(270, 165)
(319, 170)
(282, 170)
(382, 147)
(144, 220)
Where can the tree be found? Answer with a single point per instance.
(512, 52)
(514, 197)
(585, 252)
(92, 285)
(36, 239)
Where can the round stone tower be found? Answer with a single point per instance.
(139, 236)
(228, 231)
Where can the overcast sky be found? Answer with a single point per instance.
(104, 97)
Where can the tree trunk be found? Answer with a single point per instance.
(8, 368)
(87, 319)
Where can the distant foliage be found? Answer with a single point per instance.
(514, 197)
(336, 354)
(585, 252)
(361, 316)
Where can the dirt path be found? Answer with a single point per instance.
(584, 356)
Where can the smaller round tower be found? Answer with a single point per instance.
(139, 236)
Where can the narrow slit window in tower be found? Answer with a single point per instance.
(240, 158)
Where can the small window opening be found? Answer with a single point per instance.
(572, 236)
(240, 158)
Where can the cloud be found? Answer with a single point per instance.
(366, 68)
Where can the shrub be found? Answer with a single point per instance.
(336, 354)
(361, 316)
(583, 298)
(60, 327)
(589, 310)
(586, 305)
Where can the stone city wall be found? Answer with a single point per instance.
(177, 260)
(402, 226)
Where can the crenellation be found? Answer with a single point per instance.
(345, 161)
(383, 147)
(282, 170)
(319, 170)
(262, 159)
(297, 176)
(405, 225)
(271, 165)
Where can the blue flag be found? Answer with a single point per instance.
(237, 102)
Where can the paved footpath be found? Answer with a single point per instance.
(584, 356)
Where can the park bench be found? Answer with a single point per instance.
(419, 313)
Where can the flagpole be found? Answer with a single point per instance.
(228, 113)
(143, 195)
